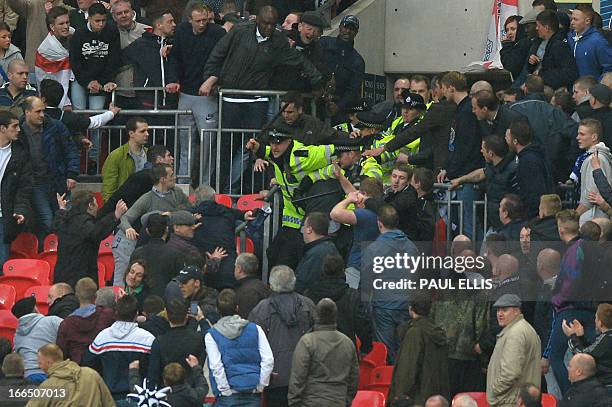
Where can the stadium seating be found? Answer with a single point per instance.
(224, 200)
(101, 275)
(248, 248)
(99, 199)
(548, 400)
(7, 297)
(51, 258)
(106, 245)
(249, 202)
(41, 293)
(377, 357)
(25, 273)
(380, 379)
(50, 243)
(366, 398)
(25, 246)
(8, 324)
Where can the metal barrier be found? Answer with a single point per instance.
(117, 136)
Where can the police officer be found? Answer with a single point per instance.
(292, 162)
(356, 106)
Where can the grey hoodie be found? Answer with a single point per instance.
(33, 332)
(11, 53)
(587, 182)
(231, 327)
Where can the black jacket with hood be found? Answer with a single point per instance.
(353, 319)
(533, 177)
(515, 53)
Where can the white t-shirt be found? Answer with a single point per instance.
(5, 156)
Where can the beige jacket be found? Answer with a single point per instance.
(79, 386)
(8, 15)
(515, 361)
(36, 28)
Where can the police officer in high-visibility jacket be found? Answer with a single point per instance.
(292, 161)
(371, 125)
(358, 105)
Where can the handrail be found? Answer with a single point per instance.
(138, 112)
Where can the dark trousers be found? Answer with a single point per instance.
(277, 397)
(465, 376)
(286, 248)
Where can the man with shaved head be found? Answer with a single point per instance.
(464, 401)
(585, 390)
(14, 92)
(606, 228)
(480, 85)
(61, 299)
(436, 401)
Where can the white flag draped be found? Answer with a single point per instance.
(501, 10)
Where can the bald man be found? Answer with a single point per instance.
(62, 300)
(606, 228)
(436, 401)
(460, 243)
(464, 401)
(585, 389)
(17, 89)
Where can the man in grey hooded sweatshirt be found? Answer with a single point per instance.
(240, 360)
(285, 316)
(33, 332)
(589, 136)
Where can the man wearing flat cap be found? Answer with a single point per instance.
(304, 39)
(292, 162)
(601, 97)
(516, 358)
(347, 67)
(183, 226)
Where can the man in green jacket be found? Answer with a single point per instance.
(127, 159)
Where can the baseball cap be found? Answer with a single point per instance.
(189, 272)
(508, 300)
(182, 218)
(350, 20)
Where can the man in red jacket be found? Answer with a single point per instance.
(80, 328)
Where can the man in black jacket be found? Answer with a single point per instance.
(193, 45)
(586, 390)
(176, 344)
(317, 245)
(532, 172)
(463, 144)
(354, 321)
(403, 197)
(62, 300)
(148, 55)
(218, 223)
(494, 118)
(15, 183)
(245, 59)
(249, 287)
(304, 39)
(601, 96)
(550, 57)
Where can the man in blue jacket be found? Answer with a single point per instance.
(389, 306)
(55, 161)
(591, 49)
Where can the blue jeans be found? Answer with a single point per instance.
(239, 400)
(250, 116)
(80, 100)
(385, 322)
(44, 203)
(468, 194)
(5, 248)
(557, 343)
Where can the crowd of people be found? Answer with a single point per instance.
(357, 183)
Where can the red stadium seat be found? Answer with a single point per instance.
(365, 398)
(380, 379)
(548, 400)
(51, 258)
(25, 246)
(41, 293)
(8, 325)
(25, 273)
(109, 265)
(50, 243)
(377, 357)
(99, 199)
(106, 245)
(480, 398)
(101, 275)
(249, 202)
(192, 198)
(224, 200)
(7, 297)
(249, 245)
